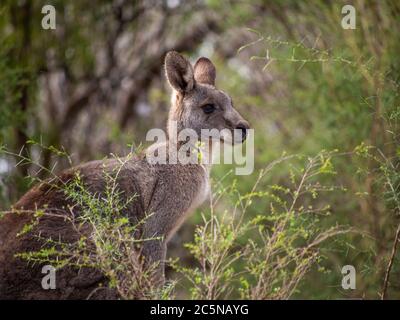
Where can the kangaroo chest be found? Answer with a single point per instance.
(185, 196)
(203, 192)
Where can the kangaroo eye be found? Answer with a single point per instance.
(208, 108)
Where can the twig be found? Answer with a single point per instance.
(389, 267)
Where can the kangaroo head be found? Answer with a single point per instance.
(197, 104)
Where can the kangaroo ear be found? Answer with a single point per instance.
(204, 71)
(179, 72)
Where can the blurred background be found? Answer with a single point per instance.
(95, 85)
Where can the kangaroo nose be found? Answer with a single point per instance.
(243, 127)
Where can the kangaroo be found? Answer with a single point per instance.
(168, 191)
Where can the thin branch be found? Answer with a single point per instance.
(389, 267)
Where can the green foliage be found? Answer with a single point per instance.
(266, 256)
(10, 79)
(331, 89)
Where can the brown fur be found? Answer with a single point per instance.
(168, 191)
